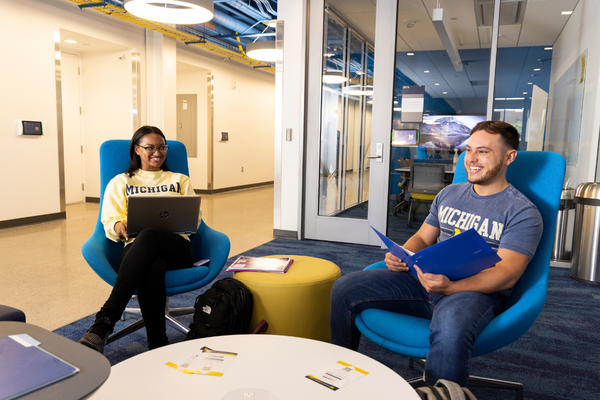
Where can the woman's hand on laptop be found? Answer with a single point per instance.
(121, 230)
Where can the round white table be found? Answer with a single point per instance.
(274, 366)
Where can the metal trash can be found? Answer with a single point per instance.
(560, 252)
(585, 262)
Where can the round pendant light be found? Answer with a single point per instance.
(172, 11)
(358, 90)
(334, 77)
(264, 51)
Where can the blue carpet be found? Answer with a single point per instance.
(559, 358)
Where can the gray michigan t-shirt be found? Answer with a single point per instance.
(506, 220)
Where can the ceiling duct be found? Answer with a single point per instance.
(443, 31)
(512, 12)
(198, 35)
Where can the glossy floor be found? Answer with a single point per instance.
(44, 274)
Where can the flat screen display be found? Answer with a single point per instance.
(32, 128)
(447, 132)
(405, 137)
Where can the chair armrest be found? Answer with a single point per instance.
(212, 245)
(95, 251)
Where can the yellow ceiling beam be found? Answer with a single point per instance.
(171, 31)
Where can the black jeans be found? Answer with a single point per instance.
(144, 264)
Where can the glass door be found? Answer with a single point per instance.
(350, 91)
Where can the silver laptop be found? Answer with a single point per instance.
(175, 214)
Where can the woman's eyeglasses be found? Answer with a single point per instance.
(162, 149)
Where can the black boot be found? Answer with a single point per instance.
(96, 337)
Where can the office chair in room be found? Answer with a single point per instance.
(104, 255)
(539, 176)
(403, 184)
(426, 181)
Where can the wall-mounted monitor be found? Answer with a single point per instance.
(405, 137)
(34, 128)
(447, 132)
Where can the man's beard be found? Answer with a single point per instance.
(487, 176)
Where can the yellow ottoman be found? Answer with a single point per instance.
(295, 303)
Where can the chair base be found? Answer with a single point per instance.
(474, 381)
(136, 313)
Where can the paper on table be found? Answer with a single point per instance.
(207, 362)
(338, 375)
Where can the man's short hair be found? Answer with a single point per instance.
(510, 135)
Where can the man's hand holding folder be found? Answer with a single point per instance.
(456, 258)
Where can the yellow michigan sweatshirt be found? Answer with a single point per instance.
(114, 204)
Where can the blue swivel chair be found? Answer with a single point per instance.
(539, 176)
(104, 255)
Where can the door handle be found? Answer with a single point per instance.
(378, 153)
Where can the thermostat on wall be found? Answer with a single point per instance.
(32, 128)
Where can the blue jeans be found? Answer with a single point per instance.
(456, 320)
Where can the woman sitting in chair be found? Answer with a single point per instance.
(147, 258)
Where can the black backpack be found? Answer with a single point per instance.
(224, 309)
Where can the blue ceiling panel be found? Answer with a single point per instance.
(514, 71)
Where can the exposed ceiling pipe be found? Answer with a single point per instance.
(251, 11)
(231, 23)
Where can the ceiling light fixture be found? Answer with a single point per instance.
(444, 92)
(547, 48)
(530, 83)
(537, 69)
(264, 51)
(410, 54)
(524, 92)
(70, 41)
(445, 35)
(334, 77)
(566, 13)
(436, 84)
(426, 72)
(359, 90)
(172, 11)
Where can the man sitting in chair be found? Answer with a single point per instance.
(458, 310)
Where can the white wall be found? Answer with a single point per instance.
(27, 90)
(107, 108)
(288, 154)
(244, 106)
(581, 33)
(193, 80)
(27, 86)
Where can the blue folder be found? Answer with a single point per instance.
(458, 257)
(25, 367)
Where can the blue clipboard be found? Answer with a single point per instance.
(458, 257)
(26, 367)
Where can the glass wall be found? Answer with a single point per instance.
(455, 85)
(345, 120)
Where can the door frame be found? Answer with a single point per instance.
(346, 229)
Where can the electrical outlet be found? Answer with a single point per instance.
(248, 395)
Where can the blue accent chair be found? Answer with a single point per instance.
(539, 176)
(104, 255)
